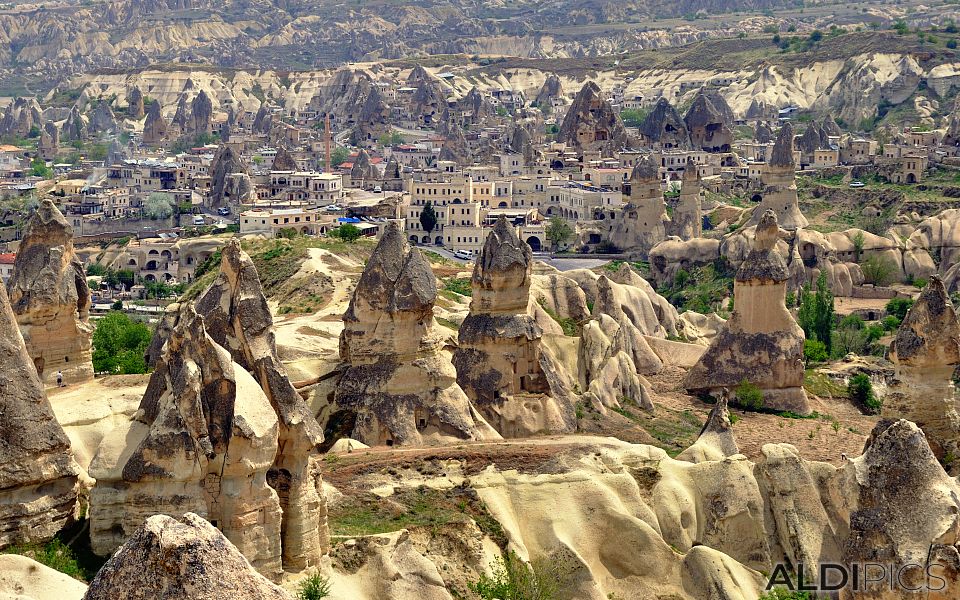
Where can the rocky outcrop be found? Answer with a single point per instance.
(181, 117)
(38, 476)
(229, 181)
(203, 441)
(761, 343)
(263, 121)
(716, 440)
(20, 116)
(763, 133)
(135, 108)
(236, 317)
(551, 89)
(102, 119)
(49, 294)
(201, 113)
(499, 362)
(663, 128)
(49, 144)
(926, 352)
(155, 127)
(283, 161)
(591, 124)
(709, 125)
(397, 386)
(455, 148)
(779, 184)
(75, 127)
(184, 557)
(686, 222)
(641, 223)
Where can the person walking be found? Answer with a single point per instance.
(59, 378)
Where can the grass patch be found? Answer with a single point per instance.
(674, 430)
(823, 386)
(448, 323)
(458, 285)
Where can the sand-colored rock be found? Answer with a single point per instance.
(184, 557)
(925, 353)
(23, 578)
(38, 477)
(499, 361)
(687, 220)
(780, 188)
(203, 441)
(236, 317)
(716, 440)
(397, 386)
(49, 295)
(761, 342)
(591, 123)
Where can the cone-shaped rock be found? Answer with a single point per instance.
(780, 188)
(716, 440)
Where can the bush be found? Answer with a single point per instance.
(119, 344)
(860, 391)
(891, 322)
(749, 396)
(514, 579)
(852, 322)
(898, 308)
(815, 314)
(96, 269)
(878, 270)
(952, 44)
(814, 351)
(314, 587)
(346, 232)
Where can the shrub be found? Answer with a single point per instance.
(749, 396)
(815, 314)
(852, 322)
(952, 44)
(860, 391)
(314, 587)
(891, 322)
(514, 579)
(54, 554)
(878, 270)
(346, 232)
(898, 307)
(814, 351)
(96, 269)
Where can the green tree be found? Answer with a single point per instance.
(858, 242)
(816, 312)
(558, 231)
(338, 157)
(428, 217)
(878, 270)
(346, 232)
(158, 289)
(39, 168)
(749, 396)
(119, 344)
(860, 391)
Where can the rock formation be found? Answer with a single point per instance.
(761, 343)
(236, 317)
(20, 117)
(708, 125)
(641, 223)
(687, 220)
(201, 112)
(102, 119)
(397, 386)
(362, 169)
(763, 133)
(716, 440)
(38, 477)
(181, 118)
(476, 105)
(591, 124)
(500, 363)
(813, 138)
(780, 187)
(263, 121)
(283, 161)
(230, 183)
(663, 128)
(926, 352)
(203, 441)
(155, 127)
(455, 148)
(184, 557)
(49, 294)
(75, 127)
(49, 143)
(135, 108)
(551, 89)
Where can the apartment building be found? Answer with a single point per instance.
(271, 222)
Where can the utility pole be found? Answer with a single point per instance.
(326, 130)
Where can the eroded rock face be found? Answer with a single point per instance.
(551, 88)
(201, 111)
(663, 127)
(926, 352)
(237, 317)
(687, 220)
(591, 123)
(283, 160)
(184, 557)
(230, 182)
(761, 343)
(716, 440)
(75, 127)
(38, 476)
(135, 109)
(780, 187)
(397, 385)
(102, 119)
(499, 362)
(710, 126)
(203, 441)
(49, 294)
(155, 127)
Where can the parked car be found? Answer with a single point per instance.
(199, 220)
(463, 255)
(377, 189)
(223, 210)
(857, 184)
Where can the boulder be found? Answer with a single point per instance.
(49, 294)
(716, 440)
(185, 558)
(591, 124)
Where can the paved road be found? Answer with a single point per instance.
(568, 264)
